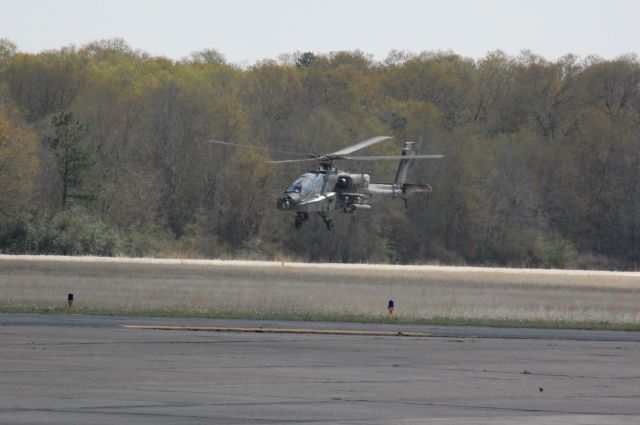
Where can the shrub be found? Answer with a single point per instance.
(71, 232)
(553, 251)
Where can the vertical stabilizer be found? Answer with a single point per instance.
(405, 164)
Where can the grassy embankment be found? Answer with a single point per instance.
(350, 293)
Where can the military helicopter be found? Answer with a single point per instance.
(325, 188)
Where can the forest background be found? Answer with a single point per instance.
(103, 151)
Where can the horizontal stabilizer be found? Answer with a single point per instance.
(409, 188)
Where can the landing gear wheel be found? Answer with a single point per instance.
(301, 217)
(327, 222)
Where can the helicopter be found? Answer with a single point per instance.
(325, 188)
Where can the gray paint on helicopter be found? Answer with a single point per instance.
(327, 188)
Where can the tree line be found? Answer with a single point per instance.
(103, 150)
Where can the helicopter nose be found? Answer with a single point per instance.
(284, 203)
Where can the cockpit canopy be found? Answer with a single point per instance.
(307, 185)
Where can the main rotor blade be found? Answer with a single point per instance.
(220, 142)
(360, 158)
(292, 160)
(376, 158)
(361, 145)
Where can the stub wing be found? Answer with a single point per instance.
(323, 202)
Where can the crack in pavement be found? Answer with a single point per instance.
(555, 375)
(239, 420)
(512, 409)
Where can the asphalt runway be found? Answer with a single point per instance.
(73, 369)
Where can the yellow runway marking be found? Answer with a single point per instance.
(277, 330)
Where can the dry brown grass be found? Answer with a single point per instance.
(201, 286)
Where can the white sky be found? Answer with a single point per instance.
(249, 30)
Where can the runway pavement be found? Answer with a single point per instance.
(69, 369)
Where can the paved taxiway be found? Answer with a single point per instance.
(68, 369)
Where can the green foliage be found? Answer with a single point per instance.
(542, 162)
(76, 157)
(14, 236)
(7, 49)
(242, 198)
(553, 251)
(208, 57)
(45, 83)
(71, 232)
(19, 166)
(305, 60)
(132, 243)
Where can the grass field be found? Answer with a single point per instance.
(423, 294)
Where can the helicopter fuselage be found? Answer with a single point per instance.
(333, 189)
(328, 189)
